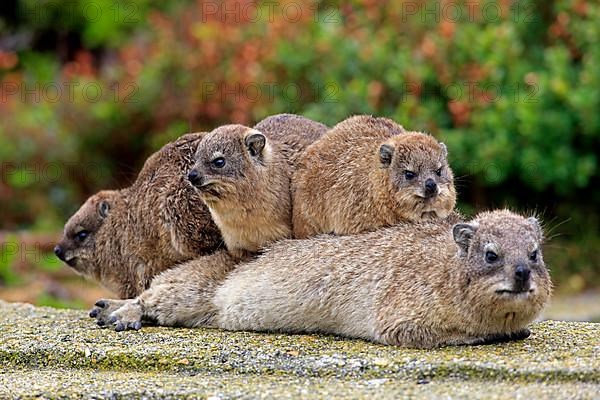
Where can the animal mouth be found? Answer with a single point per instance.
(71, 262)
(424, 198)
(209, 189)
(429, 215)
(514, 292)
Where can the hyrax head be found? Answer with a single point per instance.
(419, 175)
(77, 247)
(229, 161)
(505, 269)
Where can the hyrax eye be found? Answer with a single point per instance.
(533, 256)
(409, 175)
(438, 172)
(218, 162)
(490, 257)
(82, 235)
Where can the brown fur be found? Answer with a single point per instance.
(160, 220)
(137, 232)
(345, 185)
(294, 133)
(177, 297)
(249, 195)
(422, 284)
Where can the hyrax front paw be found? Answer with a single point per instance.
(507, 337)
(128, 316)
(501, 338)
(104, 308)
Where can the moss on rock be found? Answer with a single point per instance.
(43, 342)
(73, 384)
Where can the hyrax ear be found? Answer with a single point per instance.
(103, 209)
(463, 234)
(386, 152)
(444, 149)
(255, 142)
(537, 227)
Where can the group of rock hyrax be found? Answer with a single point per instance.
(291, 226)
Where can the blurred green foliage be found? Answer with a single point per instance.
(8, 257)
(91, 87)
(47, 300)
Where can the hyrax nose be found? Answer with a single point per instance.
(430, 188)
(194, 177)
(522, 273)
(59, 251)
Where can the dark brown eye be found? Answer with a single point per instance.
(533, 256)
(490, 257)
(409, 175)
(218, 162)
(439, 172)
(82, 235)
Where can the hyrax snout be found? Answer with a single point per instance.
(522, 274)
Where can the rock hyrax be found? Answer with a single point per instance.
(123, 238)
(425, 284)
(416, 285)
(367, 173)
(244, 179)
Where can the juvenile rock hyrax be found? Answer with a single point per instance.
(367, 173)
(123, 238)
(425, 284)
(244, 180)
(243, 176)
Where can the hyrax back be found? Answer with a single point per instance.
(367, 173)
(243, 177)
(424, 284)
(294, 133)
(123, 238)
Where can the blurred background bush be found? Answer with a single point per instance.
(90, 88)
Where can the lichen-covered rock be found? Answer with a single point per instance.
(62, 353)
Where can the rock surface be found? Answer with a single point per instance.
(52, 353)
